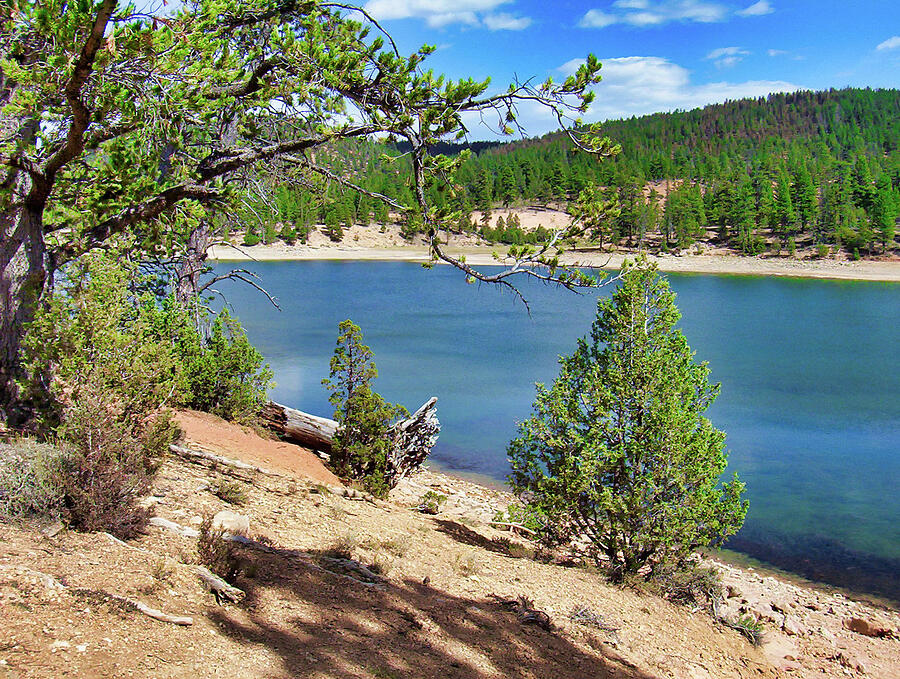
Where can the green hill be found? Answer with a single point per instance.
(804, 168)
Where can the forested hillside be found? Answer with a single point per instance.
(776, 173)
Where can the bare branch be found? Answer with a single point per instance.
(244, 276)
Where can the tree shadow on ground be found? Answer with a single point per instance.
(467, 536)
(324, 624)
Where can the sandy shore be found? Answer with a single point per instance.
(865, 270)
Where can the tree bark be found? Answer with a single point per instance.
(24, 277)
(192, 264)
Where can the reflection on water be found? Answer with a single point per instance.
(810, 374)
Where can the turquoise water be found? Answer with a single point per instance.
(810, 374)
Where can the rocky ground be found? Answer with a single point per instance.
(338, 585)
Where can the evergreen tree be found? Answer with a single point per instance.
(618, 449)
(785, 215)
(804, 196)
(885, 210)
(363, 441)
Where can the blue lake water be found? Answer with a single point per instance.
(810, 374)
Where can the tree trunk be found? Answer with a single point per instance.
(187, 286)
(24, 278)
(310, 431)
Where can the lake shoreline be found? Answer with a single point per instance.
(862, 270)
(473, 483)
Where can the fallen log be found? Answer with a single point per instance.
(414, 437)
(310, 431)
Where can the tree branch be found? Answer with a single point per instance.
(81, 116)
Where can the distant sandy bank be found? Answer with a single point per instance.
(481, 256)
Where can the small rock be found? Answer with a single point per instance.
(58, 644)
(781, 605)
(850, 661)
(81, 648)
(793, 628)
(733, 592)
(232, 522)
(53, 530)
(867, 628)
(196, 520)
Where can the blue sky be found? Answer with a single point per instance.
(657, 55)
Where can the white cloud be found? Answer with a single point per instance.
(506, 22)
(644, 13)
(726, 52)
(757, 9)
(597, 19)
(726, 57)
(777, 53)
(438, 13)
(890, 44)
(641, 85)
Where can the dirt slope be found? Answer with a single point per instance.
(213, 434)
(443, 606)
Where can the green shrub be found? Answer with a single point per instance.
(226, 376)
(334, 232)
(288, 234)
(251, 239)
(231, 492)
(109, 466)
(29, 484)
(363, 440)
(749, 626)
(104, 367)
(431, 502)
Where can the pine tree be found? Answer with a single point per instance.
(785, 215)
(618, 449)
(885, 209)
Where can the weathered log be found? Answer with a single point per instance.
(220, 589)
(218, 459)
(414, 437)
(154, 613)
(293, 425)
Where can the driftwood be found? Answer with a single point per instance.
(219, 588)
(151, 612)
(218, 459)
(53, 584)
(183, 531)
(413, 437)
(512, 526)
(310, 431)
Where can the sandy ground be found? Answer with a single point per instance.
(411, 596)
(211, 433)
(384, 243)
